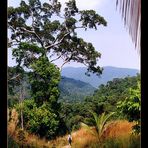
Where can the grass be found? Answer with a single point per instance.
(130, 141)
(119, 128)
(13, 120)
(116, 135)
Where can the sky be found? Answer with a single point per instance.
(113, 41)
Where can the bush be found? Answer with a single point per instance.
(41, 120)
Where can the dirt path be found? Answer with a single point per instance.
(67, 146)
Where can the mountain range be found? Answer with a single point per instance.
(109, 73)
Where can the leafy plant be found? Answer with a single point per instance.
(40, 120)
(100, 123)
(44, 82)
(131, 107)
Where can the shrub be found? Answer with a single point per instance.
(41, 120)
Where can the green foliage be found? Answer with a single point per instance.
(103, 100)
(89, 19)
(51, 37)
(99, 122)
(43, 122)
(12, 100)
(72, 90)
(114, 91)
(25, 53)
(15, 74)
(40, 120)
(38, 39)
(131, 106)
(44, 82)
(70, 113)
(17, 80)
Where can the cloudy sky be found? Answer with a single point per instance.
(113, 41)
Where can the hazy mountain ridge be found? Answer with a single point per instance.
(109, 73)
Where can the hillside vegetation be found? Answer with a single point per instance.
(73, 113)
(72, 90)
(116, 134)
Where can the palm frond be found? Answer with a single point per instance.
(103, 120)
(131, 14)
(100, 123)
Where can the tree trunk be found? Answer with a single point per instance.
(22, 121)
(21, 109)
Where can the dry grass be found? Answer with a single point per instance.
(83, 138)
(13, 121)
(59, 142)
(80, 139)
(118, 130)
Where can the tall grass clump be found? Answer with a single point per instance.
(13, 121)
(131, 141)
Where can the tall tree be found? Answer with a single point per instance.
(39, 29)
(42, 33)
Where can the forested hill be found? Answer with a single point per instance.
(70, 89)
(74, 90)
(109, 73)
(104, 99)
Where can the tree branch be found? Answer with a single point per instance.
(54, 44)
(64, 64)
(56, 58)
(33, 32)
(16, 77)
(66, 61)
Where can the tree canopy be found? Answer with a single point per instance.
(39, 29)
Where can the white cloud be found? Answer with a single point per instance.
(87, 4)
